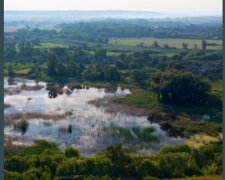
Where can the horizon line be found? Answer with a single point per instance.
(131, 10)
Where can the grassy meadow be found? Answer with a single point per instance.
(176, 43)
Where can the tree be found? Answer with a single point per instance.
(120, 158)
(23, 126)
(147, 168)
(100, 54)
(72, 68)
(204, 44)
(138, 75)
(195, 46)
(135, 64)
(111, 73)
(37, 173)
(52, 64)
(71, 152)
(177, 165)
(9, 53)
(141, 44)
(120, 64)
(70, 129)
(11, 72)
(166, 46)
(155, 45)
(123, 56)
(16, 163)
(180, 88)
(184, 45)
(62, 69)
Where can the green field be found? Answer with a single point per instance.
(177, 43)
(217, 88)
(21, 69)
(51, 45)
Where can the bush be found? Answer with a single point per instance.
(177, 165)
(147, 168)
(12, 175)
(39, 147)
(16, 163)
(23, 126)
(71, 152)
(115, 162)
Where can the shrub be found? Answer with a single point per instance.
(71, 152)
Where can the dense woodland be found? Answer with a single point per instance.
(44, 161)
(174, 80)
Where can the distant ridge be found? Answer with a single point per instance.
(85, 11)
(80, 15)
(73, 15)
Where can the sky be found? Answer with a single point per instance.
(140, 5)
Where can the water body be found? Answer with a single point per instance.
(92, 128)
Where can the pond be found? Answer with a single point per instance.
(65, 116)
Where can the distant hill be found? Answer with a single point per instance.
(76, 15)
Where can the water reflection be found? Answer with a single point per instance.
(11, 81)
(111, 89)
(82, 125)
(54, 90)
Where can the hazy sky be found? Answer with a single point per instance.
(143, 5)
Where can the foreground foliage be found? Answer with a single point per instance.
(45, 161)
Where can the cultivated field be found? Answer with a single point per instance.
(177, 43)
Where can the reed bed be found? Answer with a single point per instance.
(112, 107)
(10, 118)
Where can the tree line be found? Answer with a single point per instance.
(44, 160)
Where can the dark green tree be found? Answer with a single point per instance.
(180, 88)
(138, 75)
(204, 44)
(155, 45)
(185, 45)
(11, 72)
(52, 64)
(71, 152)
(111, 73)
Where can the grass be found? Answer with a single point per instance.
(51, 45)
(146, 99)
(113, 54)
(188, 118)
(199, 140)
(217, 88)
(109, 47)
(23, 71)
(19, 68)
(177, 43)
(140, 99)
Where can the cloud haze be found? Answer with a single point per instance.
(200, 6)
